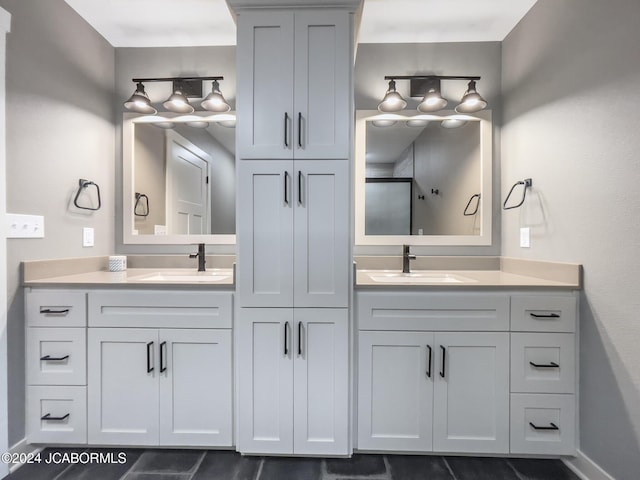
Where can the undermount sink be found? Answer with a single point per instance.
(418, 277)
(185, 277)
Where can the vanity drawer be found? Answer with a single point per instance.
(56, 356)
(432, 312)
(160, 309)
(56, 308)
(543, 362)
(543, 424)
(543, 313)
(56, 414)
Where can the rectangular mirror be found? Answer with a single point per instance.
(179, 179)
(423, 179)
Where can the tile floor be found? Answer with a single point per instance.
(224, 465)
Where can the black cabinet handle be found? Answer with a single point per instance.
(55, 312)
(286, 189)
(286, 129)
(444, 359)
(545, 365)
(163, 348)
(149, 367)
(286, 338)
(299, 338)
(552, 426)
(299, 187)
(429, 355)
(300, 129)
(49, 417)
(54, 359)
(547, 315)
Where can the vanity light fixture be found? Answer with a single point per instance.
(417, 122)
(178, 103)
(383, 122)
(165, 125)
(215, 102)
(428, 87)
(197, 124)
(453, 123)
(139, 101)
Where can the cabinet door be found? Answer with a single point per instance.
(123, 404)
(321, 381)
(265, 80)
(471, 393)
(265, 234)
(395, 391)
(195, 387)
(322, 115)
(265, 380)
(322, 261)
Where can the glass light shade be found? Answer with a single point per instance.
(383, 122)
(471, 100)
(432, 102)
(139, 102)
(392, 101)
(453, 123)
(228, 123)
(178, 103)
(215, 102)
(165, 125)
(417, 122)
(197, 124)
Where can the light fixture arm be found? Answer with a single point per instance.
(174, 79)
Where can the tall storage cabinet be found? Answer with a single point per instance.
(295, 114)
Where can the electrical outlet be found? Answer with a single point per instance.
(87, 237)
(25, 226)
(525, 237)
(159, 229)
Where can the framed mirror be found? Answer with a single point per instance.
(423, 179)
(179, 178)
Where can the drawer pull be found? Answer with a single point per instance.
(444, 356)
(54, 312)
(429, 355)
(163, 348)
(149, 367)
(545, 365)
(286, 339)
(48, 358)
(546, 315)
(552, 426)
(49, 417)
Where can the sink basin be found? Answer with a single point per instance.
(185, 277)
(418, 277)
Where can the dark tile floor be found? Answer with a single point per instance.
(139, 464)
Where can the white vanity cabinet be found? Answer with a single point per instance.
(294, 72)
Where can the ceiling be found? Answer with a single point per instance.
(182, 23)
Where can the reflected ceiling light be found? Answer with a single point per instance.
(417, 122)
(433, 100)
(197, 124)
(383, 122)
(471, 100)
(139, 101)
(178, 103)
(165, 125)
(392, 101)
(453, 123)
(215, 102)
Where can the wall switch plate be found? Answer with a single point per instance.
(525, 237)
(159, 229)
(25, 226)
(87, 237)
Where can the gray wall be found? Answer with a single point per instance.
(374, 61)
(571, 122)
(60, 84)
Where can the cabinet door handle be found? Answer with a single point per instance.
(299, 187)
(444, 359)
(149, 347)
(54, 312)
(49, 417)
(286, 338)
(300, 129)
(48, 358)
(552, 426)
(545, 365)
(286, 189)
(163, 349)
(547, 315)
(286, 129)
(429, 361)
(299, 338)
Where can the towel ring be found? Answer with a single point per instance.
(82, 185)
(527, 182)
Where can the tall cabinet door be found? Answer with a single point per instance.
(265, 233)
(321, 381)
(265, 78)
(265, 380)
(195, 387)
(471, 396)
(395, 391)
(321, 240)
(123, 401)
(322, 112)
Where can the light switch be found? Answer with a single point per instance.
(87, 237)
(525, 237)
(25, 226)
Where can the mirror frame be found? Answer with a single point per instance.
(129, 122)
(486, 181)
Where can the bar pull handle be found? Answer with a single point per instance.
(49, 417)
(300, 129)
(299, 338)
(545, 365)
(286, 129)
(163, 350)
(444, 359)
(55, 312)
(429, 356)
(48, 358)
(546, 315)
(286, 189)
(552, 426)
(286, 338)
(299, 187)
(149, 347)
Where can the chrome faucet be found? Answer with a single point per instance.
(200, 256)
(406, 257)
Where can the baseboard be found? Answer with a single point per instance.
(21, 448)
(586, 468)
